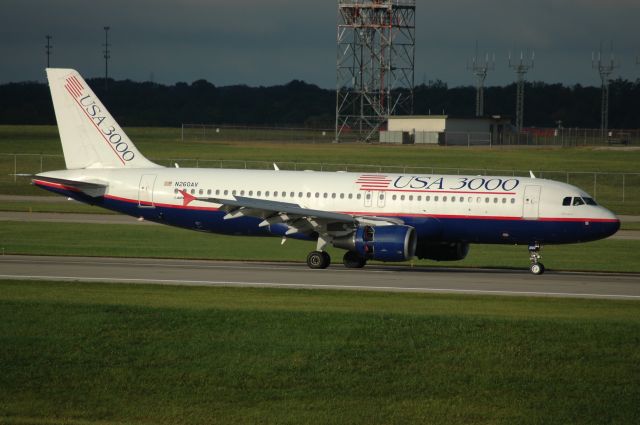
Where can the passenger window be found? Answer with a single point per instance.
(342, 196)
(175, 190)
(324, 195)
(453, 199)
(566, 201)
(513, 200)
(382, 196)
(428, 198)
(300, 194)
(504, 200)
(293, 194)
(242, 193)
(259, 193)
(351, 196)
(266, 194)
(226, 192)
(308, 194)
(251, 193)
(444, 199)
(217, 191)
(411, 197)
(394, 197)
(462, 199)
(419, 198)
(495, 200)
(368, 196)
(284, 194)
(333, 196)
(233, 192)
(435, 198)
(317, 194)
(209, 192)
(577, 201)
(402, 197)
(486, 200)
(193, 191)
(358, 196)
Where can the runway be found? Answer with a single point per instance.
(290, 275)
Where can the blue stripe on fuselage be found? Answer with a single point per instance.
(473, 230)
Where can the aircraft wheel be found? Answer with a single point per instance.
(318, 260)
(537, 268)
(353, 260)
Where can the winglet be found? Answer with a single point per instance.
(275, 167)
(531, 174)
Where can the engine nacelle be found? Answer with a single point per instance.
(443, 251)
(382, 243)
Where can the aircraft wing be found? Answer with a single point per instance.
(94, 190)
(298, 218)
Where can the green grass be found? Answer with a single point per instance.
(164, 144)
(52, 207)
(168, 242)
(102, 353)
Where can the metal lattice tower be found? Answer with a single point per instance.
(48, 48)
(605, 69)
(480, 68)
(107, 56)
(375, 66)
(521, 68)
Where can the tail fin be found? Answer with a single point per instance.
(90, 137)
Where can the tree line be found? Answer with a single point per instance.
(301, 104)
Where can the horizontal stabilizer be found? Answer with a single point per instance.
(94, 190)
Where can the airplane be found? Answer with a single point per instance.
(372, 216)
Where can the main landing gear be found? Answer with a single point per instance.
(318, 260)
(322, 260)
(534, 255)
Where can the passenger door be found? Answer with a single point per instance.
(145, 191)
(531, 207)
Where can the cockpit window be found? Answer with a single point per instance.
(577, 201)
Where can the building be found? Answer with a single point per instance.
(445, 130)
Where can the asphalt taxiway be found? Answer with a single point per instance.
(293, 275)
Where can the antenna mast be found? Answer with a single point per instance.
(48, 48)
(521, 68)
(605, 69)
(375, 65)
(107, 56)
(480, 68)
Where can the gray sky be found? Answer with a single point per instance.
(259, 42)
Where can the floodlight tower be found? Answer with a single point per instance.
(375, 64)
(521, 68)
(480, 68)
(605, 69)
(107, 56)
(48, 48)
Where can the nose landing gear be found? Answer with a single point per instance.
(534, 255)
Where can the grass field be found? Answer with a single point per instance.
(78, 353)
(167, 242)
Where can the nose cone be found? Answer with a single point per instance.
(610, 224)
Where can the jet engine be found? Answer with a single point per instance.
(382, 243)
